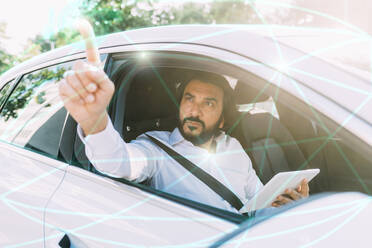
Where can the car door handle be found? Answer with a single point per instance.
(65, 242)
(71, 241)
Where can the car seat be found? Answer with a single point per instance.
(267, 141)
(151, 102)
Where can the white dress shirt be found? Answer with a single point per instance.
(141, 159)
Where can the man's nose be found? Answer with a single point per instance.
(195, 110)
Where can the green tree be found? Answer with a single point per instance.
(25, 90)
(6, 60)
(106, 17)
(216, 12)
(192, 13)
(109, 16)
(117, 15)
(233, 12)
(63, 37)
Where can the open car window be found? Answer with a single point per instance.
(286, 134)
(33, 116)
(5, 90)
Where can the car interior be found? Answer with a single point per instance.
(296, 138)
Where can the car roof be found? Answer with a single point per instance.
(228, 37)
(266, 44)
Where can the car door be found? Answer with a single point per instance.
(92, 210)
(31, 124)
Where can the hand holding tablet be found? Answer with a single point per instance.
(276, 187)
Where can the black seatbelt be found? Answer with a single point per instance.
(207, 179)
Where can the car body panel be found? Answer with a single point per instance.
(341, 219)
(27, 182)
(100, 212)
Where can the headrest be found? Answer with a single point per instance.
(149, 93)
(245, 94)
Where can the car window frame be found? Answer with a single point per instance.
(234, 71)
(13, 82)
(17, 80)
(219, 213)
(117, 116)
(15, 85)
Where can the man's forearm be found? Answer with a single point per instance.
(105, 151)
(109, 154)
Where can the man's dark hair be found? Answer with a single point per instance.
(229, 107)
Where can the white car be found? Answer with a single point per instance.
(299, 108)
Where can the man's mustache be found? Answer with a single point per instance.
(195, 119)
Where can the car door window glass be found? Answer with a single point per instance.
(4, 92)
(34, 115)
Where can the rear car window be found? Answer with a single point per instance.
(33, 116)
(4, 92)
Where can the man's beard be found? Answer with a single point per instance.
(204, 136)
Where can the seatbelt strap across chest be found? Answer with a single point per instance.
(207, 179)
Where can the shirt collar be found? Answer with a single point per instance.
(221, 137)
(176, 137)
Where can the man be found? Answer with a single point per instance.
(87, 91)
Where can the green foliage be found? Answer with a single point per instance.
(116, 15)
(217, 12)
(109, 16)
(6, 60)
(63, 37)
(106, 17)
(4, 93)
(233, 12)
(192, 13)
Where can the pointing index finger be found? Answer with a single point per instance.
(87, 33)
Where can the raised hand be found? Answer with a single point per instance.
(86, 91)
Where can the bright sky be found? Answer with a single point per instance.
(26, 18)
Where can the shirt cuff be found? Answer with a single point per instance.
(100, 143)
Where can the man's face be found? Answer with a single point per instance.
(201, 111)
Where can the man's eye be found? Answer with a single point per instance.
(209, 104)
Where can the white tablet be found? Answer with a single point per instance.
(276, 186)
